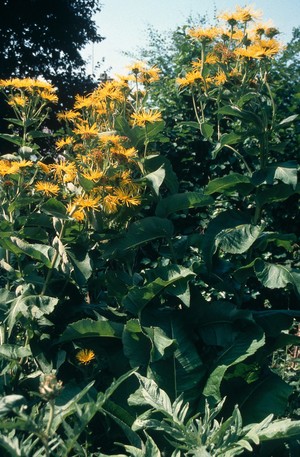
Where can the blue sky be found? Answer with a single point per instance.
(124, 23)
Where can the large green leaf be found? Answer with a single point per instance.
(226, 139)
(88, 328)
(40, 252)
(234, 182)
(284, 240)
(225, 220)
(218, 323)
(285, 172)
(262, 397)
(31, 307)
(273, 194)
(162, 345)
(155, 179)
(247, 116)
(82, 266)
(139, 233)
(55, 208)
(245, 344)
(15, 139)
(179, 202)
(206, 129)
(181, 370)
(275, 276)
(238, 239)
(154, 162)
(138, 297)
(136, 344)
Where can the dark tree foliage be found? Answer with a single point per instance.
(44, 38)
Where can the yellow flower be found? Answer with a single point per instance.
(125, 153)
(146, 117)
(125, 197)
(110, 204)
(27, 84)
(137, 67)
(48, 96)
(62, 143)
(86, 131)
(48, 188)
(107, 139)
(4, 167)
(87, 203)
(85, 356)
(16, 166)
(211, 58)
(191, 78)
(46, 168)
(63, 168)
(17, 100)
(67, 116)
(204, 34)
(260, 50)
(78, 215)
(110, 90)
(220, 78)
(247, 14)
(93, 175)
(82, 102)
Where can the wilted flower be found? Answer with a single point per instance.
(50, 387)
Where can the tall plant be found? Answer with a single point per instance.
(108, 270)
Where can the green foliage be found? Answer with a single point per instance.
(134, 301)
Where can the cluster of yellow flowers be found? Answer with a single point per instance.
(229, 47)
(22, 92)
(96, 169)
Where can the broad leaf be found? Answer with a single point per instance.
(139, 233)
(88, 328)
(273, 194)
(15, 139)
(55, 208)
(207, 130)
(14, 352)
(138, 297)
(155, 179)
(224, 220)
(180, 202)
(238, 239)
(285, 172)
(82, 266)
(265, 396)
(275, 276)
(40, 252)
(245, 345)
(234, 182)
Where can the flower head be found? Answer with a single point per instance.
(204, 34)
(85, 356)
(144, 117)
(87, 203)
(48, 188)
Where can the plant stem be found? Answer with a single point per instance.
(240, 157)
(54, 260)
(51, 417)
